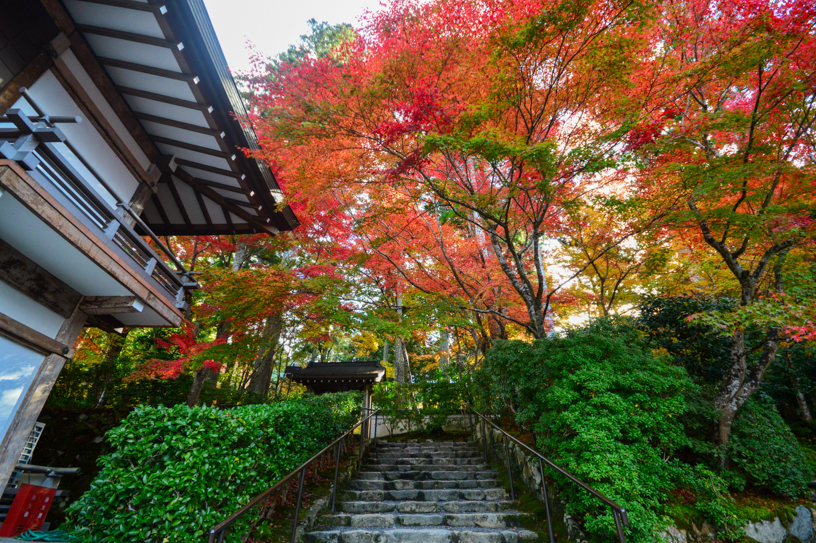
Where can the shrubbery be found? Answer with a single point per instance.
(176, 472)
(765, 450)
(423, 405)
(606, 407)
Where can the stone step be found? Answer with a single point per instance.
(433, 461)
(425, 475)
(419, 535)
(426, 467)
(428, 449)
(504, 519)
(422, 454)
(437, 495)
(358, 507)
(408, 484)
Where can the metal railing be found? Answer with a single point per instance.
(219, 531)
(618, 512)
(47, 160)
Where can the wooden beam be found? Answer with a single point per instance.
(204, 209)
(18, 183)
(150, 70)
(211, 169)
(23, 420)
(25, 275)
(160, 208)
(156, 97)
(193, 147)
(179, 203)
(11, 91)
(99, 76)
(106, 323)
(130, 36)
(130, 4)
(241, 203)
(222, 186)
(111, 305)
(178, 124)
(29, 336)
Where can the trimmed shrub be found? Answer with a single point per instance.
(606, 407)
(176, 472)
(765, 450)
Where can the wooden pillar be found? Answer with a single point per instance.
(367, 409)
(35, 397)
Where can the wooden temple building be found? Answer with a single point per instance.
(116, 127)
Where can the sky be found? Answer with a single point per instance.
(272, 25)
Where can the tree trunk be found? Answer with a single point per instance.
(406, 372)
(444, 345)
(262, 371)
(738, 385)
(803, 406)
(199, 378)
(116, 343)
(399, 365)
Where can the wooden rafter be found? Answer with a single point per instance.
(179, 124)
(150, 70)
(193, 147)
(208, 168)
(131, 4)
(179, 203)
(147, 95)
(220, 200)
(222, 186)
(130, 36)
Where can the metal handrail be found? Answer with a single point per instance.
(120, 202)
(220, 529)
(618, 512)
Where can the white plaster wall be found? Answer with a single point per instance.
(93, 91)
(21, 308)
(50, 95)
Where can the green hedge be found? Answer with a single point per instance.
(176, 472)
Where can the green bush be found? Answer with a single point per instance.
(606, 407)
(176, 472)
(765, 450)
(423, 405)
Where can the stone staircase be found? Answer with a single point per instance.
(431, 492)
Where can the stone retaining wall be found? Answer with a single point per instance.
(526, 472)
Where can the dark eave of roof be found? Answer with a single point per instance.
(337, 370)
(191, 22)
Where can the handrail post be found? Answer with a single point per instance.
(509, 467)
(336, 469)
(360, 457)
(376, 414)
(546, 499)
(297, 507)
(484, 438)
(618, 527)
